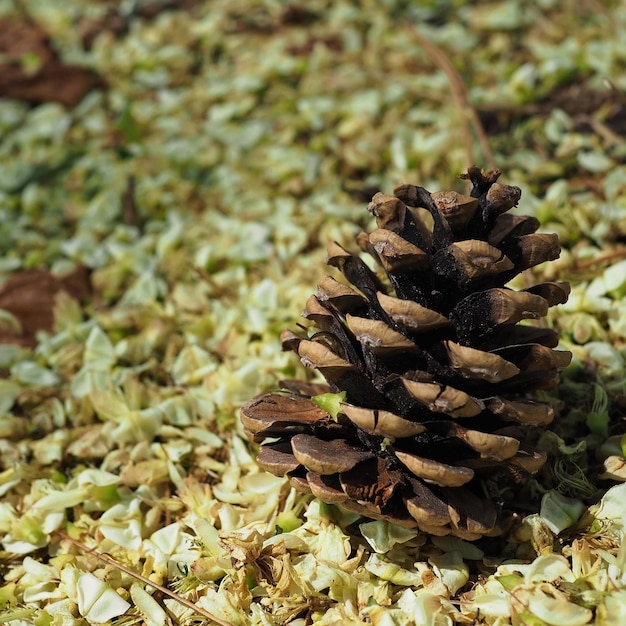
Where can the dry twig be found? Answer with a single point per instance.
(110, 561)
(467, 112)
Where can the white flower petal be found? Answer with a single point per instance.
(152, 612)
(97, 602)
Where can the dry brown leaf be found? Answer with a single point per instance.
(49, 79)
(30, 295)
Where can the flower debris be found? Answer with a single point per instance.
(195, 185)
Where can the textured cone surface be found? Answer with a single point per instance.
(437, 371)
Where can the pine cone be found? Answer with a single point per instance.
(437, 421)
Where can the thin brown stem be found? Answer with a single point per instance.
(601, 129)
(467, 112)
(105, 558)
(605, 259)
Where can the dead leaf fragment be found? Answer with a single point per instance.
(29, 295)
(32, 70)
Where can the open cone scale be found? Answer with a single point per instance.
(438, 374)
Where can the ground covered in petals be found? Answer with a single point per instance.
(171, 173)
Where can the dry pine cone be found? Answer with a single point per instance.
(436, 370)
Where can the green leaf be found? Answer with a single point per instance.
(330, 402)
(510, 581)
(288, 521)
(127, 126)
(560, 512)
(598, 418)
(531, 620)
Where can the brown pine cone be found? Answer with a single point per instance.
(435, 368)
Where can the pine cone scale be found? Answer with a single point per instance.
(327, 457)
